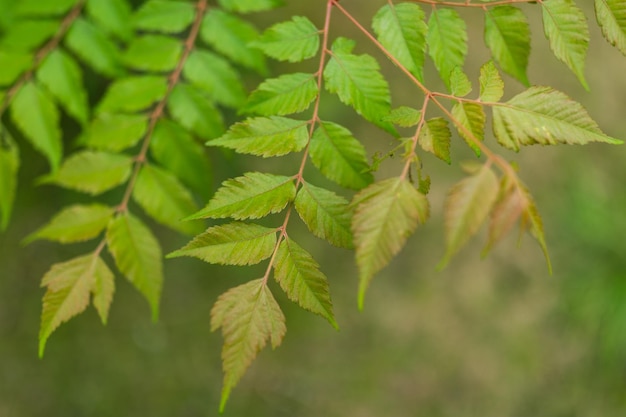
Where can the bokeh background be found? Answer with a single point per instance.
(488, 337)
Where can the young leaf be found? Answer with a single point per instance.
(153, 53)
(339, 156)
(357, 80)
(252, 196)
(76, 223)
(9, 164)
(547, 117)
(401, 29)
(115, 132)
(404, 116)
(460, 85)
(62, 77)
(447, 41)
(137, 254)
(299, 276)
(467, 205)
(532, 220)
(326, 214)
(231, 244)
(165, 199)
(491, 85)
(92, 172)
(611, 16)
(13, 64)
(471, 118)
(68, 287)
(291, 41)
(265, 136)
(231, 36)
(435, 138)
(249, 316)
(111, 15)
(506, 212)
(132, 94)
(289, 93)
(247, 6)
(38, 118)
(94, 47)
(164, 16)
(386, 214)
(507, 35)
(566, 28)
(216, 77)
(195, 111)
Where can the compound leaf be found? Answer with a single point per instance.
(195, 111)
(115, 132)
(289, 93)
(111, 15)
(153, 53)
(470, 123)
(94, 47)
(447, 41)
(292, 41)
(164, 16)
(131, 94)
(611, 16)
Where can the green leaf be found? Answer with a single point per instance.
(293, 41)
(249, 316)
(137, 255)
(37, 117)
(460, 85)
(467, 205)
(153, 53)
(131, 94)
(611, 16)
(115, 132)
(231, 36)
(541, 115)
(386, 214)
(447, 41)
(164, 16)
(231, 244)
(94, 47)
(507, 35)
(92, 172)
(326, 214)
(39, 8)
(111, 15)
(357, 81)
(9, 164)
(491, 85)
(27, 35)
(252, 196)
(531, 220)
(247, 6)
(62, 77)
(401, 29)
(76, 223)
(195, 112)
(565, 26)
(69, 285)
(469, 119)
(175, 149)
(13, 65)
(339, 156)
(289, 93)
(435, 138)
(299, 276)
(265, 136)
(404, 116)
(165, 199)
(215, 76)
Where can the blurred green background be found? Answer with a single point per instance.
(486, 337)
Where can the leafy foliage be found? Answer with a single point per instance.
(175, 72)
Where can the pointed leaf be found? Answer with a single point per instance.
(137, 255)
(27, 35)
(165, 199)
(92, 172)
(132, 94)
(435, 138)
(326, 214)
(566, 28)
(339, 156)
(94, 47)
(231, 244)
(404, 116)
(13, 64)
(102, 290)
(111, 15)
(47, 8)
(544, 116)
(289, 93)
(153, 53)
(247, 6)
(115, 132)
(252, 196)
(76, 223)
(386, 214)
(9, 164)
(299, 276)
(491, 85)
(507, 35)
(532, 220)
(460, 85)
(249, 316)
(401, 29)
(506, 212)
(471, 118)
(357, 81)
(164, 16)
(293, 41)
(195, 111)
(265, 136)
(447, 41)
(611, 16)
